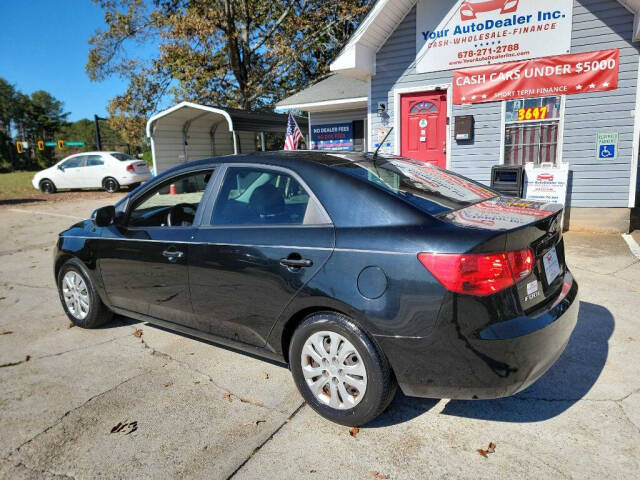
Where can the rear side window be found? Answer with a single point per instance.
(423, 185)
(254, 196)
(94, 160)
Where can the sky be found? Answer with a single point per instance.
(44, 45)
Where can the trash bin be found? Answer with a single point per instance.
(508, 179)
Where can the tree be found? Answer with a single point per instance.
(39, 116)
(237, 53)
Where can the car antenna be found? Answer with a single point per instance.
(375, 154)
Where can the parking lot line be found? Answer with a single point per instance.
(633, 245)
(37, 212)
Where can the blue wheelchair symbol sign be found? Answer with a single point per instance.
(607, 151)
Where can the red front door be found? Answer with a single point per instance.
(423, 127)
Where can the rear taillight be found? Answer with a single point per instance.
(478, 273)
(131, 168)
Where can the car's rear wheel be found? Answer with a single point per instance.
(339, 371)
(79, 297)
(111, 185)
(47, 187)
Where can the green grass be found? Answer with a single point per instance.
(16, 184)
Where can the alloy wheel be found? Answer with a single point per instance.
(76, 295)
(110, 185)
(334, 370)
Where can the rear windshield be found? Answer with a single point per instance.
(123, 157)
(423, 185)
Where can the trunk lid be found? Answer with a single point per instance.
(520, 224)
(139, 166)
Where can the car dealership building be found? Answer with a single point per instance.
(472, 84)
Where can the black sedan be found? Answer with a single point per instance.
(360, 272)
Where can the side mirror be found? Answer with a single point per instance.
(104, 216)
(61, 168)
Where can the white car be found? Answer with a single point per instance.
(106, 170)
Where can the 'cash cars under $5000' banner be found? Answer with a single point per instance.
(482, 32)
(559, 75)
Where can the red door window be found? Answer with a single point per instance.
(423, 127)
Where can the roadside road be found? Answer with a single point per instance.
(205, 411)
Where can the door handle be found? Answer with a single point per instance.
(173, 255)
(296, 262)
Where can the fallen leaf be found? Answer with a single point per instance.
(130, 428)
(227, 396)
(206, 447)
(312, 471)
(125, 427)
(490, 449)
(138, 333)
(8, 332)
(378, 475)
(168, 384)
(287, 420)
(265, 375)
(197, 382)
(27, 358)
(71, 324)
(117, 427)
(354, 431)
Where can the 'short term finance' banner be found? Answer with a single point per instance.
(550, 76)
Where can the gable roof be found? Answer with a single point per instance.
(357, 58)
(339, 90)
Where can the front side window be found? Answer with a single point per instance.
(74, 162)
(254, 196)
(531, 130)
(171, 204)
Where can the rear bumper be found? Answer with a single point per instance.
(134, 178)
(493, 361)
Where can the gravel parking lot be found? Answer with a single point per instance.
(192, 409)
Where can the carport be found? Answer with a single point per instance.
(188, 131)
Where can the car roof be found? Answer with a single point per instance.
(281, 158)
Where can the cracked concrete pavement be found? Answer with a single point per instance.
(205, 411)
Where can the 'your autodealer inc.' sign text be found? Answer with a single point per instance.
(482, 32)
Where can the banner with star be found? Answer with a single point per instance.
(541, 77)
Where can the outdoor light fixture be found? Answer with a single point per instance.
(382, 108)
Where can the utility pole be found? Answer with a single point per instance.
(96, 120)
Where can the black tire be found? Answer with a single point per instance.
(98, 314)
(47, 186)
(381, 384)
(110, 185)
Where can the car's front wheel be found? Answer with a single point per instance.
(111, 185)
(79, 297)
(339, 371)
(47, 187)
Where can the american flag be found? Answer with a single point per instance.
(294, 135)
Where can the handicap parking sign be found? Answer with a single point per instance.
(607, 145)
(607, 151)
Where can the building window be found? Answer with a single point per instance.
(531, 130)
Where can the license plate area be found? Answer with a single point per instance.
(551, 265)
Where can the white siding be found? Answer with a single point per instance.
(597, 24)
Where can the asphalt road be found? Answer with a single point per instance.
(192, 409)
